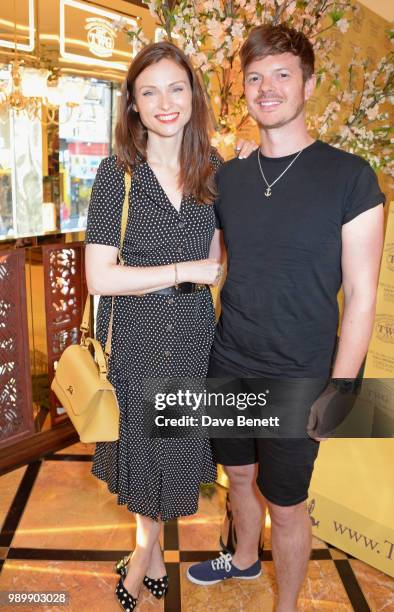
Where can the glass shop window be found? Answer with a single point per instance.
(6, 209)
(85, 138)
(20, 168)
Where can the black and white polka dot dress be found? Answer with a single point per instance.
(154, 336)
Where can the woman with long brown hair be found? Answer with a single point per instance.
(163, 317)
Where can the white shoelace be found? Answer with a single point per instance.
(222, 562)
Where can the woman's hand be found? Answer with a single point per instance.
(203, 271)
(244, 148)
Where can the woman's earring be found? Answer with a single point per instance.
(132, 109)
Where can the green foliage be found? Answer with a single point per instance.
(336, 15)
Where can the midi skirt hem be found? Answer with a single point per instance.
(163, 516)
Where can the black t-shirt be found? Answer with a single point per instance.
(279, 303)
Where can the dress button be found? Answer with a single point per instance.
(170, 327)
(171, 300)
(180, 250)
(181, 224)
(167, 353)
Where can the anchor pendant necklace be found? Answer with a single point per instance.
(268, 191)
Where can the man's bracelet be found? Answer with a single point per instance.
(344, 385)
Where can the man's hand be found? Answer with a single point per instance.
(331, 408)
(244, 148)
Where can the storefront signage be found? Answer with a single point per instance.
(24, 26)
(87, 36)
(101, 36)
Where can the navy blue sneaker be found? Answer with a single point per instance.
(221, 568)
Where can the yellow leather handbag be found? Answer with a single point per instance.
(80, 381)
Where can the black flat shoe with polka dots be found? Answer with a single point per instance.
(126, 601)
(158, 588)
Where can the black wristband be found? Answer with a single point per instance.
(344, 385)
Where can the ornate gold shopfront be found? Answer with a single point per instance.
(61, 66)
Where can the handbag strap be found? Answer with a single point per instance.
(86, 313)
(100, 357)
(125, 214)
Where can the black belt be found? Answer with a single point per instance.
(181, 288)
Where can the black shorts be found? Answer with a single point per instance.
(285, 465)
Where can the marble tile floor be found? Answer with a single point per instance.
(61, 530)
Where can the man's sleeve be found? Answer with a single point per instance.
(364, 194)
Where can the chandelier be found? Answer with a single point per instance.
(34, 92)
